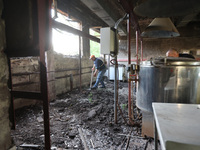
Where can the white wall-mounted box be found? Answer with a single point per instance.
(107, 40)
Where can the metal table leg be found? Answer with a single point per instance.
(155, 136)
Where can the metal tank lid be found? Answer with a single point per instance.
(171, 61)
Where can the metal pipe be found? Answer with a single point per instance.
(44, 30)
(115, 90)
(136, 34)
(80, 83)
(129, 62)
(116, 77)
(108, 63)
(155, 136)
(126, 60)
(129, 39)
(132, 93)
(119, 21)
(71, 82)
(136, 74)
(141, 45)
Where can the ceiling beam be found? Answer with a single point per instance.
(78, 10)
(67, 28)
(102, 8)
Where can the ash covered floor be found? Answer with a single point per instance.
(89, 114)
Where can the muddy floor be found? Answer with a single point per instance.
(83, 121)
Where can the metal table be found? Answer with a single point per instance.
(178, 126)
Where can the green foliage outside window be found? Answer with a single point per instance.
(94, 46)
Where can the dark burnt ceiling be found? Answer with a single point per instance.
(104, 13)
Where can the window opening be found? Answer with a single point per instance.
(64, 42)
(94, 46)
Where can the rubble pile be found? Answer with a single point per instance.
(83, 120)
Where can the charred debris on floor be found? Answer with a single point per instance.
(82, 121)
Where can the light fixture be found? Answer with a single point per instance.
(161, 28)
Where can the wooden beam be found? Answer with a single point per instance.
(74, 31)
(22, 52)
(78, 10)
(27, 95)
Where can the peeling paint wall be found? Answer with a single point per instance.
(5, 139)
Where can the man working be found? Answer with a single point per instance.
(174, 53)
(101, 68)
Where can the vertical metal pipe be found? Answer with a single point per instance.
(129, 39)
(136, 74)
(80, 71)
(115, 91)
(44, 43)
(44, 93)
(136, 34)
(108, 64)
(129, 62)
(71, 82)
(155, 136)
(141, 45)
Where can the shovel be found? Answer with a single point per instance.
(91, 79)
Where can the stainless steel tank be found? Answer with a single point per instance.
(168, 80)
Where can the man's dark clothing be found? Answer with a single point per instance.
(99, 65)
(186, 55)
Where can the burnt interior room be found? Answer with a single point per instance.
(50, 99)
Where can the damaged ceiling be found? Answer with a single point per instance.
(103, 13)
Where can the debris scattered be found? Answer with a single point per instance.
(29, 146)
(40, 119)
(83, 138)
(92, 111)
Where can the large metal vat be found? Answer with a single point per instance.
(168, 80)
